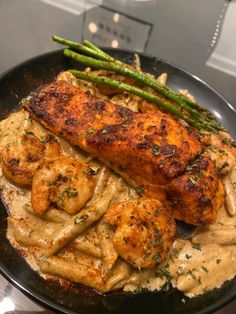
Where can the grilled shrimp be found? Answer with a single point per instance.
(144, 231)
(65, 182)
(20, 158)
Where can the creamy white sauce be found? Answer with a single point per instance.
(195, 266)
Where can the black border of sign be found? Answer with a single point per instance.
(124, 14)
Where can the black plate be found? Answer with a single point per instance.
(18, 83)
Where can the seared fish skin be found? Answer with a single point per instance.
(195, 196)
(147, 149)
(125, 140)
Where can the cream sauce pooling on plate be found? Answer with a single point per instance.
(196, 266)
(193, 267)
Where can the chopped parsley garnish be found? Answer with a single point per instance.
(139, 190)
(192, 180)
(205, 269)
(69, 192)
(197, 246)
(81, 219)
(159, 274)
(190, 272)
(218, 261)
(156, 150)
(222, 151)
(43, 140)
(225, 164)
(30, 233)
(90, 131)
(154, 242)
(180, 270)
(138, 290)
(166, 286)
(156, 257)
(188, 256)
(163, 274)
(211, 148)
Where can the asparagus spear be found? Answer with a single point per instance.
(147, 80)
(143, 94)
(101, 52)
(79, 47)
(110, 66)
(115, 65)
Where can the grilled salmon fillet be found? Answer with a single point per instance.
(148, 149)
(195, 195)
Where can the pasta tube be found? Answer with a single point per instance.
(230, 198)
(109, 254)
(80, 222)
(82, 274)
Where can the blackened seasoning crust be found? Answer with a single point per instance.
(147, 149)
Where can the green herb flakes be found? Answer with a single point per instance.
(156, 150)
(138, 290)
(205, 269)
(197, 246)
(30, 233)
(156, 257)
(90, 131)
(192, 180)
(139, 190)
(69, 192)
(81, 219)
(159, 274)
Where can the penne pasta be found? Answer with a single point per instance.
(26, 235)
(87, 247)
(88, 243)
(73, 271)
(56, 215)
(80, 222)
(109, 254)
(162, 78)
(71, 255)
(82, 274)
(119, 275)
(230, 197)
(82, 247)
